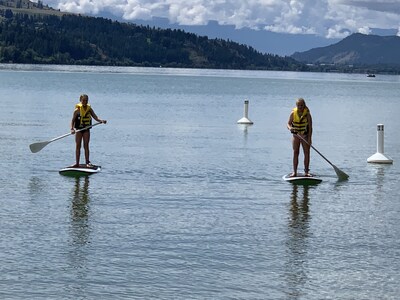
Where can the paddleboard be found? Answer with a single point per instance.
(303, 180)
(82, 170)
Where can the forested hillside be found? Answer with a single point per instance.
(73, 39)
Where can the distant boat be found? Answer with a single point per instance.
(371, 75)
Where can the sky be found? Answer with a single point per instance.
(330, 19)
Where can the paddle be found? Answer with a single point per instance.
(341, 175)
(36, 147)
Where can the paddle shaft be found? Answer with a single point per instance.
(304, 140)
(36, 147)
(67, 134)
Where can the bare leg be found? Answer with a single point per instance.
(78, 141)
(306, 151)
(86, 140)
(296, 151)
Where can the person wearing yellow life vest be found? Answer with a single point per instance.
(300, 122)
(81, 118)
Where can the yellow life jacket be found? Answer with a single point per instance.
(300, 123)
(84, 118)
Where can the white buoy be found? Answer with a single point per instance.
(245, 119)
(379, 157)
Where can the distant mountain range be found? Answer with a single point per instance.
(282, 44)
(356, 49)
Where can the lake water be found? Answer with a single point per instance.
(189, 204)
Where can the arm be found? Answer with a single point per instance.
(290, 122)
(73, 120)
(96, 117)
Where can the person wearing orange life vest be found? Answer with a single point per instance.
(81, 118)
(300, 122)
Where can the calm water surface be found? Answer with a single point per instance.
(190, 205)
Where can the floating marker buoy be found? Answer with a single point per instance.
(245, 119)
(379, 157)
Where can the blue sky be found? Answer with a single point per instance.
(326, 18)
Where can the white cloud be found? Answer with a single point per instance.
(329, 18)
(364, 30)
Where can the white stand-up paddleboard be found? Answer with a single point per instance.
(82, 170)
(303, 180)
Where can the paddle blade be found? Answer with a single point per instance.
(36, 147)
(340, 174)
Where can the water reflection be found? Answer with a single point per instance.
(79, 235)
(382, 174)
(245, 129)
(80, 226)
(297, 244)
(379, 171)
